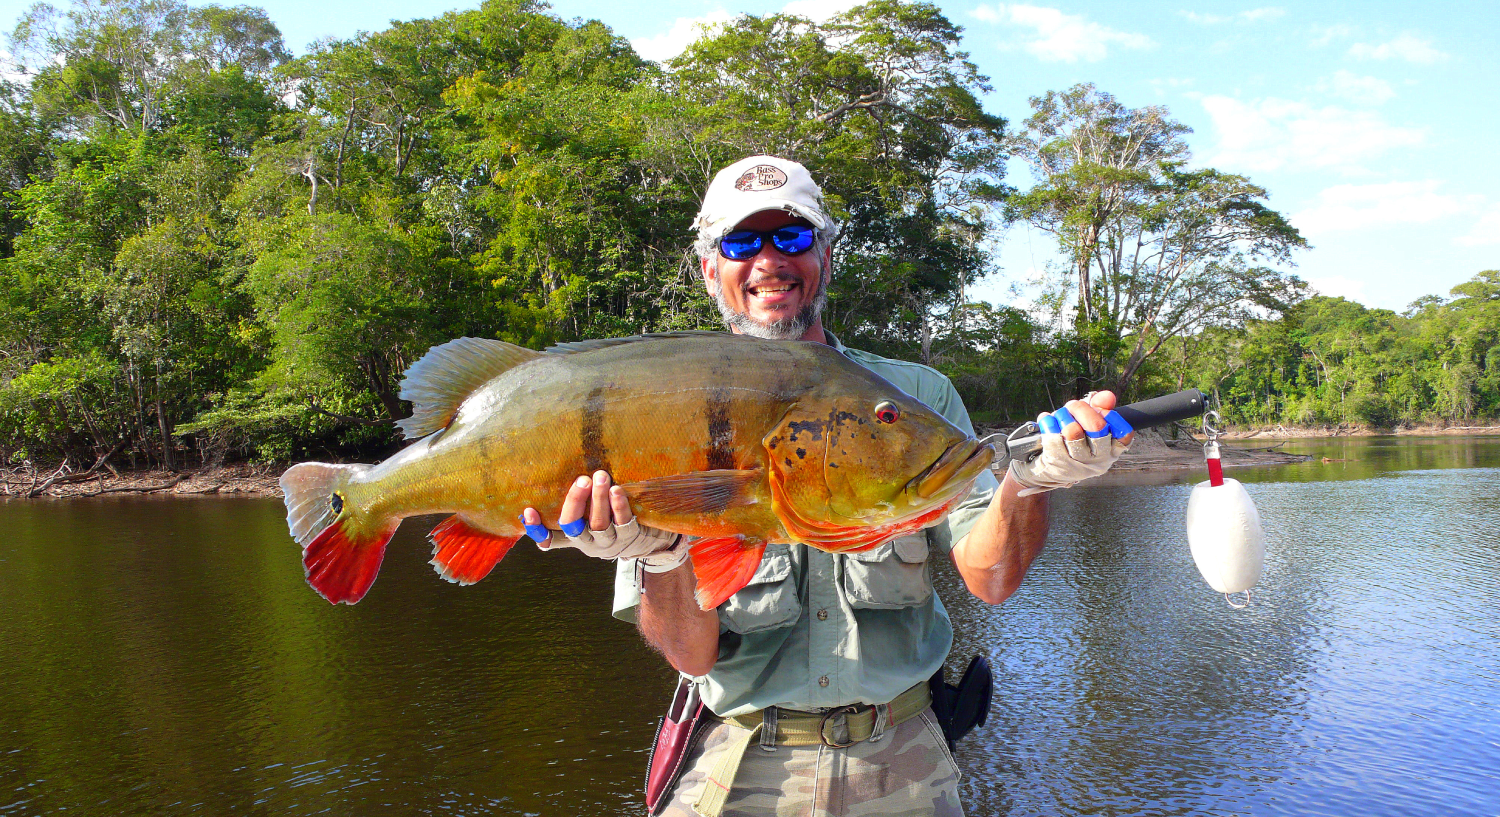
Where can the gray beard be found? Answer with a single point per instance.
(789, 328)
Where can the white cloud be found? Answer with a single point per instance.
(1272, 134)
(1251, 16)
(1337, 286)
(684, 32)
(819, 10)
(1486, 231)
(1405, 47)
(1354, 88)
(1327, 34)
(1366, 206)
(1060, 37)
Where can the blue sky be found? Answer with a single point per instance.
(1374, 125)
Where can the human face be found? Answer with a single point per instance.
(771, 295)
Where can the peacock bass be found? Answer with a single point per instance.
(733, 440)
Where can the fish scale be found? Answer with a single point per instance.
(727, 439)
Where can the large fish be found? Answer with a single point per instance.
(737, 441)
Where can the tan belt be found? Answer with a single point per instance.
(840, 728)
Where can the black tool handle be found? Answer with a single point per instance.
(1157, 411)
(1169, 408)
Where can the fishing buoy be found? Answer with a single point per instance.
(1224, 532)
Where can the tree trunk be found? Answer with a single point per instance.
(164, 426)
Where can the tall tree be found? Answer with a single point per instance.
(1153, 249)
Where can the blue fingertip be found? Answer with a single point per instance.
(1064, 416)
(573, 528)
(1103, 432)
(1050, 425)
(1116, 424)
(538, 533)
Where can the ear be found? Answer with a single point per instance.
(708, 271)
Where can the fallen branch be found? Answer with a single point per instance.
(142, 489)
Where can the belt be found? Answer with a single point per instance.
(839, 728)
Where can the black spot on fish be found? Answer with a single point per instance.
(591, 432)
(801, 453)
(833, 465)
(814, 428)
(336, 503)
(788, 460)
(720, 430)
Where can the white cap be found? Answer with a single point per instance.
(759, 183)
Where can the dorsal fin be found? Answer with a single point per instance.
(448, 374)
(577, 346)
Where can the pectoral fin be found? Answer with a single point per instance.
(699, 492)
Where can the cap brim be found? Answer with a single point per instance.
(723, 225)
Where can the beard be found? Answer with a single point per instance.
(792, 327)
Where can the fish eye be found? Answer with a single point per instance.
(886, 412)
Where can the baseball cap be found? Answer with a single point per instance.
(759, 183)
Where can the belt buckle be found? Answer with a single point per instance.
(846, 710)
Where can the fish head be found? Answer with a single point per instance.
(868, 457)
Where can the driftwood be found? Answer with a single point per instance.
(143, 489)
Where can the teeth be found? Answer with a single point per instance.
(763, 290)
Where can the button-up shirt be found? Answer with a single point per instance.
(814, 629)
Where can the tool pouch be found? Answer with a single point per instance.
(961, 708)
(674, 742)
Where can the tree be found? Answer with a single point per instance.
(115, 62)
(1154, 250)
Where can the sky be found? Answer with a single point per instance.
(1374, 125)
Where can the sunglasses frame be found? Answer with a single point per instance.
(762, 236)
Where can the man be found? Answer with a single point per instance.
(822, 660)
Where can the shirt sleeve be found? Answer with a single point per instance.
(627, 590)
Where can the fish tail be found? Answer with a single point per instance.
(341, 546)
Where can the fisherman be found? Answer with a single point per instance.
(823, 660)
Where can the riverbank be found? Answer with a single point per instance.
(1280, 432)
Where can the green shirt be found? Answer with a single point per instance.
(814, 629)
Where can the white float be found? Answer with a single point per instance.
(1224, 531)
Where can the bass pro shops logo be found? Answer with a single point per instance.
(760, 178)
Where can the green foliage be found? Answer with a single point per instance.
(1330, 361)
(1154, 251)
(210, 249)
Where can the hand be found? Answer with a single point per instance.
(1079, 441)
(611, 531)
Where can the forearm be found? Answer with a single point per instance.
(994, 557)
(672, 624)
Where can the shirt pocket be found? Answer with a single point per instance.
(769, 600)
(889, 577)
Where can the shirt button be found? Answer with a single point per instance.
(823, 682)
(822, 615)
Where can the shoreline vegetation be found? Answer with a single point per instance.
(214, 252)
(1150, 452)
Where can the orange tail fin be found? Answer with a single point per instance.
(723, 565)
(464, 554)
(342, 568)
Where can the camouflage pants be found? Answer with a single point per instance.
(907, 772)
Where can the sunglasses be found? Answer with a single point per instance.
(742, 245)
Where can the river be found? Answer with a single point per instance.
(165, 656)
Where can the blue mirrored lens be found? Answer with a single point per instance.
(793, 240)
(740, 244)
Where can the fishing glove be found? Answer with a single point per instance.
(1064, 463)
(631, 540)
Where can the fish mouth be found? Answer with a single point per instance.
(959, 465)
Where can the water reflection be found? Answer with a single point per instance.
(165, 656)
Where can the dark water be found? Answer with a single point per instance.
(164, 656)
